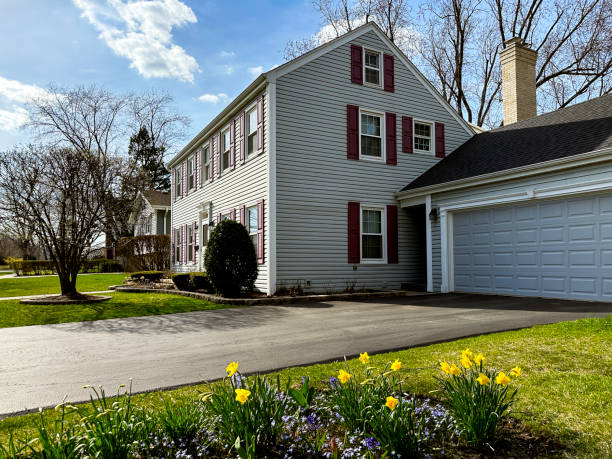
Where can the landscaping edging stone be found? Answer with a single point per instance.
(47, 300)
(273, 300)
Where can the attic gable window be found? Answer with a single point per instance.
(372, 66)
(422, 136)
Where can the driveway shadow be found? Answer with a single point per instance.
(500, 302)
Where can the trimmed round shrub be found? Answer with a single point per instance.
(200, 281)
(230, 259)
(182, 281)
(153, 276)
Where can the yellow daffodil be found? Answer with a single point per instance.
(454, 370)
(231, 369)
(343, 376)
(364, 357)
(515, 372)
(242, 395)
(391, 402)
(467, 353)
(479, 359)
(445, 367)
(396, 366)
(483, 379)
(466, 362)
(502, 379)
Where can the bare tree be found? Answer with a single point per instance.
(22, 235)
(59, 193)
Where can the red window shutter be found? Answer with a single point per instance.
(232, 144)
(233, 214)
(211, 175)
(199, 167)
(242, 214)
(193, 242)
(260, 232)
(173, 186)
(392, 235)
(184, 190)
(183, 243)
(354, 233)
(260, 125)
(356, 64)
(218, 157)
(440, 151)
(352, 132)
(242, 137)
(391, 134)
(407, 143)
(218, 218)
(389, 73)
(172, 248)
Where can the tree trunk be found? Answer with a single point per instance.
(68, 285)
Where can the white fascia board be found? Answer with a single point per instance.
(554, 165)
(271, 205)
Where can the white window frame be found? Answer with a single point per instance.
(248, 226)
(383, 229)
(226, 148)
(190, 247)
(177, 246)
(380, 69)
(205, 171)
(383, 121)
(178, 171)
(191, 174)
(249, 109)
(432, 125)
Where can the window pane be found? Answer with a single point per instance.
(421, 144)
(371, 146)
(370, 124)
(252, 143)
(371, 221)
(371, 246)
(372, 59)
(372, 76)
(204, 234)
(422, 129)
(226, 157)
(252, 220)
(226, 140)
(252, 121)
(206, 155)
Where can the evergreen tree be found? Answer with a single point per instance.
(149, 160)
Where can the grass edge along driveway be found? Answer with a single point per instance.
(43, 285)
(566, 386)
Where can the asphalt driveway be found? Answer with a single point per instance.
(40, 364)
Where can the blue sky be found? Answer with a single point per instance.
(202, 52)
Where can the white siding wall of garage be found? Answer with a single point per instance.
(574, 229)
(315, 180)
(244, 185)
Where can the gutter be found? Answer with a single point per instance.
(591, 157)
(219, 120)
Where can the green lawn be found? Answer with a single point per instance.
(20, 286)
(14, 314)
(566, 387)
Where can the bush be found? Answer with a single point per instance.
(146, 253)
(478, 397)
(182, 281)
(151, 276)
(230, 259)
(200, 281)
(32, 267)
(102, 265)
(110, 266)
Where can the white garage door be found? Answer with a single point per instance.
(558, 249)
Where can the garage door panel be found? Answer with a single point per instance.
(560, 249)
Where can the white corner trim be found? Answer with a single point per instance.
(272, 190)
(428, 243)
(444, 288)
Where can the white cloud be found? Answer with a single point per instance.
(213, 98)
(255, 71)
(227, 54)
(141, 31)
(16, 91)
(13, 119)
(228, 69)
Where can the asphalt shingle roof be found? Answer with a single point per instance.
(157, 198)
(570, 131)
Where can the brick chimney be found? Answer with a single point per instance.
(518, 81)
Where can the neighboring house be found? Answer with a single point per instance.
(152, 213)
(314, 157)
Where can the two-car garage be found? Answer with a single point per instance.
(553, 248)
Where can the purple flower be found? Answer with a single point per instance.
(334, 382)
(370, 443)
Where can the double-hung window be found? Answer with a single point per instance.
(371, 137)
(372, 65)
(225, 148)
(178, 181)
(190, 251)
(206, 154)
(422, 136)
(252, 226)
(191, 172)
(251, 131)
(177, 246)
(372, 240)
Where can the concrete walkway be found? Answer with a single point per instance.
(40, 364)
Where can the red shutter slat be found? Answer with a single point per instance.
(242, 214)
(407, 144)
(260, 124)
(354, 234)
(352, 132)
(218, 156)
(440, 151)
(242, 137)
(391, 134)
(211, 175)
(392, 235)
(233, 214)
(260, 231)
(389, 72)
(356, 64)
(232, 143)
